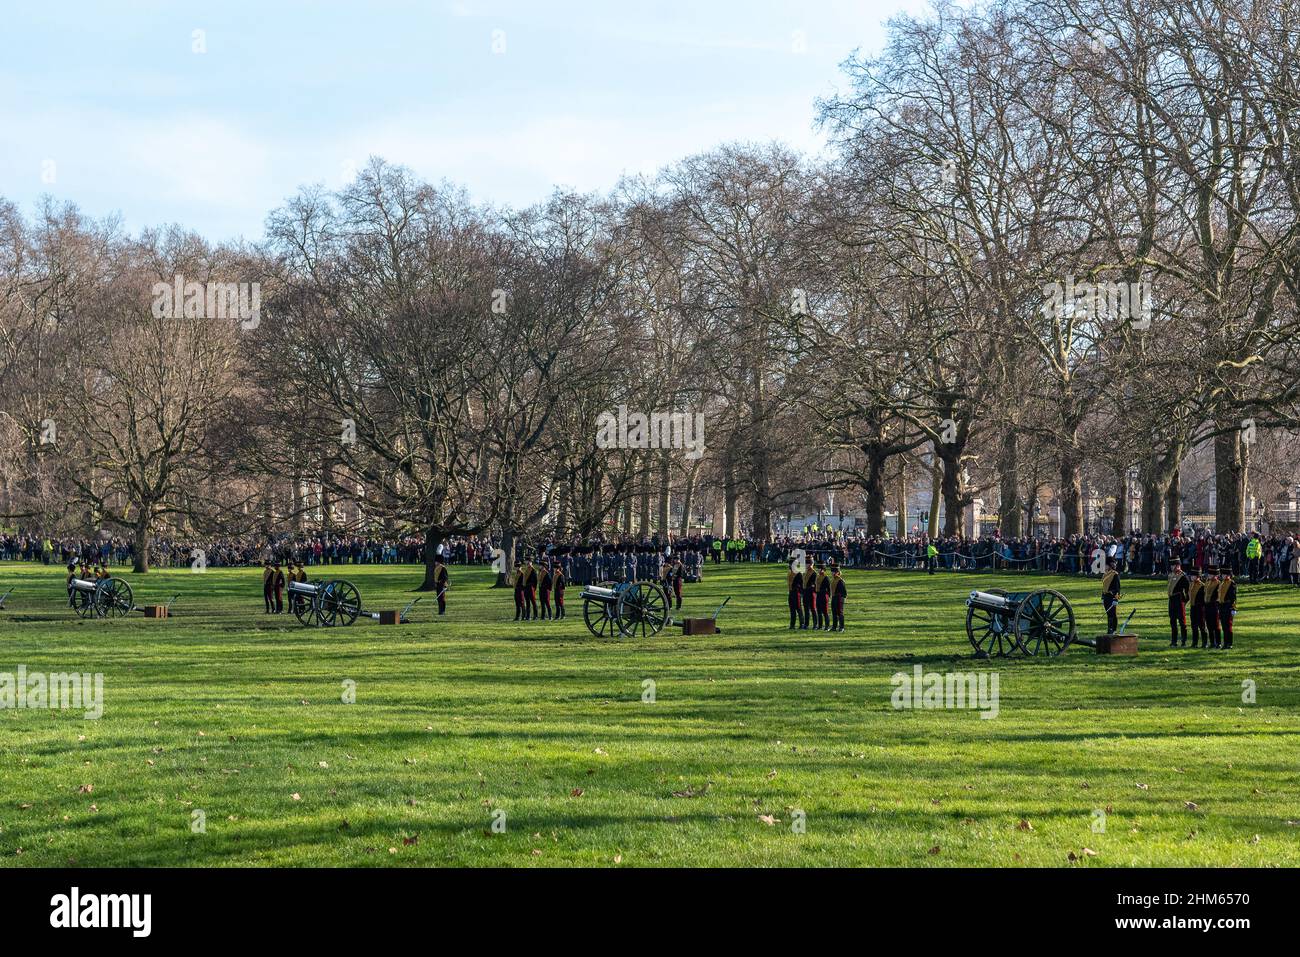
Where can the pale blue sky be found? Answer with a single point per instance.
(106, 104)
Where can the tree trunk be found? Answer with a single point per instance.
(1174, 501)
(665, 503)
(874, 492)
(432, 538)
(688, 497)
(731, 506)
(508, 540)
(1229, 482)
(1119, 518)
(1070, 494)
(936, 493)
(142, 522)
(1153, 506)
(643, 520)
(902, 499)
(1010, 514)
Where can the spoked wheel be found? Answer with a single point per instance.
(642, 610)
(1044, 623)
(340, 603)
(989, 632)
(596, 615)
(113, 598)
(304, 607)
(83, 603)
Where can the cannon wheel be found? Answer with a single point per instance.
(113, 598)
(987, 633)
(1044, 623)
(340, 603)
(642, 607)
(596, 615)
(304, 608)
(83, 603)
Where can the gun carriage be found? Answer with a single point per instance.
(100, 597)
(625, 609)
(1001, 624)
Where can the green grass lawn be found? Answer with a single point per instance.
(224, 710)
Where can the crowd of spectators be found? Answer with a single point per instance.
(1135, 554)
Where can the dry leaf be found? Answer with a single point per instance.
(296, 796)
(767, 819)
(933, 850)
(1024, 826)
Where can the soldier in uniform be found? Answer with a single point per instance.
(530, 589)
(278, 584)
(557, 588)
(440, 582)
(1179, 592)
(808, 594)
(268, 587)
(1227, 607)
(1196, 598)
(823, 599)
(72, 573)
(521, 595)
(793, 587)
(1110, 590)
(544, 587)
(1211, 592)
(838, 593)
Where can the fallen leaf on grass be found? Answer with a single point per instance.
(767, 819)
(413, 839)
(85, 789)
(296, 796)
(576, 792)
(1024, 826)
(1144, 787)
(934, 850)
(1191, 805)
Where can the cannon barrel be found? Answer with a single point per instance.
(599, 592)
(992, 602)
(301, 588)
(82, 584)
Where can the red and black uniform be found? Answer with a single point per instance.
(440, 581)
(557, 588)
(530, 590)
(838, 593)
(544, 587)
(1227, 608)
(279, 590)
(1196, 597)
(793, 586)
(268, 588)
(808, 593)
(823, 601)
(521, 595)
(1179, 592)
(1211, 592)
(679, 578)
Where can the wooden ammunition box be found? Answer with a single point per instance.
(1117, 644)
(154, 611)
(699, 626)
(388, 618)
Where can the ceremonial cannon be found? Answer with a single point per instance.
(624, 609)
(100, 597)
(1000, 624)
(325, 603)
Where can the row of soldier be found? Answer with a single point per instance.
(817, 594)
(1212, 598)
